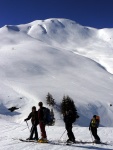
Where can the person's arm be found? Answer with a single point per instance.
(29, 117)
(39, 114)
(97, 123)
(64, 118)
(90, 125)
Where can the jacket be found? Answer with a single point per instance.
(34, 118)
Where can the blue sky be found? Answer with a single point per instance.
(94, 13)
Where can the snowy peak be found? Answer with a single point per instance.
(66, 34)
(53, 28)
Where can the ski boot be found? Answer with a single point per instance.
(43, 140)
(97, 141)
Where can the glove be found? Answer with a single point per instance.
(25, 119)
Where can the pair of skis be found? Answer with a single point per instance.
(63, 143)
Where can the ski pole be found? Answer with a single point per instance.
(66, 137)
(28, 126)
(91, 137)
(62, 135)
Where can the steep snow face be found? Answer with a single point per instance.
(61, 57)
(67, 34)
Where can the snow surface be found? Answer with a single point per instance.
(10, 133)
(61, 57)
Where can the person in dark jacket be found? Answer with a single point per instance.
(93, 127)
(68, 125)
(41, 123)
(34, 120)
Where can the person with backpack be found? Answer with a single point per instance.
(34, 120)
(94, 124)
(68, 119)
(42, 123)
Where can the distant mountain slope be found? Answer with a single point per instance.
(61, 57)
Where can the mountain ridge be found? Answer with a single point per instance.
(70, 35)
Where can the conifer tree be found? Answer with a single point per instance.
(67, 105)
(49, 100)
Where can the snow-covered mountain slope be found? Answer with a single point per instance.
(61, 57)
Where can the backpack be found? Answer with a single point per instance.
(73, 116)
(48, 117)
(97, 121)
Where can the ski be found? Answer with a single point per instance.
(34, 141)
(49, 142)
(22, 140)
(86, 142)
(63, 143)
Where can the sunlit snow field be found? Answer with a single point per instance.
(64, 58)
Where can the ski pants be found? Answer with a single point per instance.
(42, 128)
(34, 131)
(70, 134)
(94, 133)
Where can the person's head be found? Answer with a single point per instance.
(33, 109)
(40, 104)
(94, 116)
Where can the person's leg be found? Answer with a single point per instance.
(94, 133)
(32, 132)
(43, 132)
(67, 128)
(70, 133)
(36, 133)
(96, 136)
